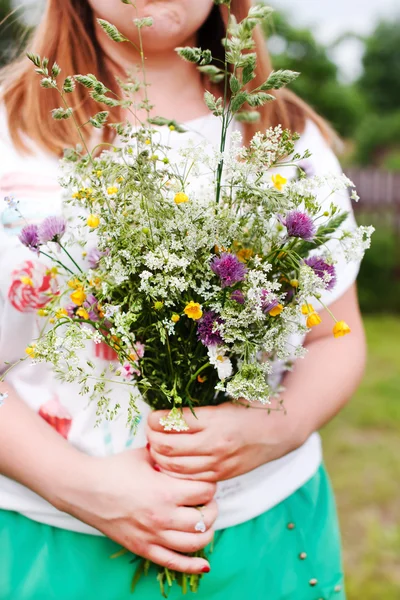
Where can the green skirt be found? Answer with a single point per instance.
(291, 552)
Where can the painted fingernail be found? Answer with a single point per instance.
(156, 468)
(206, 569)
(148, 446)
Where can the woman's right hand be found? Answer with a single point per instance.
(149, 513)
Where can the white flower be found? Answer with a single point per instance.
(221, 362)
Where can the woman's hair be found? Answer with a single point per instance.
(67, 35)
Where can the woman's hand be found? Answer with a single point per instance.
(143, 510)
(223, 441)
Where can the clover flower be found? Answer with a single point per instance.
(324, 270)
(238, 297)
(299, 225)
(206, 331)
(29, 237)
(228, 268)
(52, 229)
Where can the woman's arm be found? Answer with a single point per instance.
(122, 496)
(228, 440)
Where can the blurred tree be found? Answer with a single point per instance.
(297, 49)
(378, 135)
(380, 81)
(13, 33)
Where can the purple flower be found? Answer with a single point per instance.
(322, 269)
(52, 229)
(90, 305)
(238, 296)
(206, 329)
(93, 257)
(71, 309)
(267, 302)
(300, 225)
(29, 237)
(228, 268)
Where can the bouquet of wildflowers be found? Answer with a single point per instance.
(197, 292)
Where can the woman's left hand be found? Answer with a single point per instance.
(223, 441)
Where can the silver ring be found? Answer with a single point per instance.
(200, 525)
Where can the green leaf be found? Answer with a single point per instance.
(190, 54)
(145, 22)
(55, 70)
(47, 82)
(35, 58)
(163, 122)
(238, 101)
(61, 113)
(69, 85)
(279, 79)
(104, 99)
(248, 71)
(86, 80)
(99, 119)
(111, 31)
(259, 99)
(234, 84)
(248, 116)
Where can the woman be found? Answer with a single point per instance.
(64, 486)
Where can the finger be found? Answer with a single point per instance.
(187, 542)
(185, 518)
(177, 562)
(184, 465)
(193, 493)
(184, 444)
(195, 423)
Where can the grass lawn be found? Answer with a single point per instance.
(362, 452)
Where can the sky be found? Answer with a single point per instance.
(329, 19)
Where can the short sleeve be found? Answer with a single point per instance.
(323, 161)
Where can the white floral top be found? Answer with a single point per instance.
(24, 280)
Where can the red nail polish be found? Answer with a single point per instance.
(157, 468)
(206, 569)
(148, 446)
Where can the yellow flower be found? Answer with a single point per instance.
(193, 311)
(147, 142)
(74, 283)
(340, 329)
(30, 350)
(78, 297)
(61, 312)
(171, 127)
(175, 318)
(112, 190)
(276, 311)
(180, 198)
(84, 254)
(313, 320)
(307, 309)
(93, 221)
(42, 312)
(52, 320)
(99, 173)
(158, 305)
(82, 312)
(120, 179)
(53, 272)
(294, 283)
(278, 181)
(26, 280)
(77, 195)
(244, 254)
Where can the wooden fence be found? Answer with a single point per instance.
(379, 190)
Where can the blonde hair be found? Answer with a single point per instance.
(69, 24)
